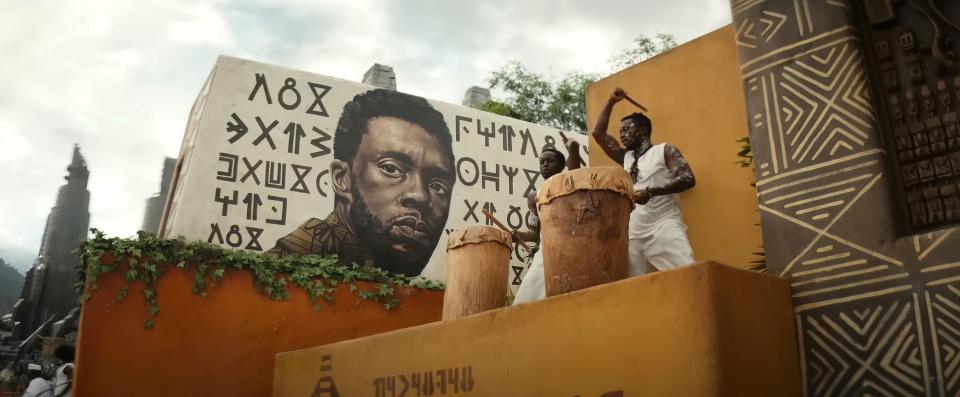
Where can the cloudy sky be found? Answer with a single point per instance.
(118, 77)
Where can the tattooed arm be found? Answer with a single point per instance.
(681, 176)
(609, 145)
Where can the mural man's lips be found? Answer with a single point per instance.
(413, 222)
(407, 232)
(410, 229)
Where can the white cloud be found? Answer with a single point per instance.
(16, 147)
(198, 24)
(119, 77)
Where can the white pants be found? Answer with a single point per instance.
(532, 287)
(666, 248)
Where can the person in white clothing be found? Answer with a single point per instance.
(658, 236)
(551, 163)
(38, 387)
(63, 380)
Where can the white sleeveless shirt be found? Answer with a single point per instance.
(653, 172)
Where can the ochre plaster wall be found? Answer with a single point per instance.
(695, 100)
(221, 345)
(703, 330)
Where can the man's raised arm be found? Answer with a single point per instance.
(574, 160)
(609, 145)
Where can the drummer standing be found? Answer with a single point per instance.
(658, 237)
(551, 163)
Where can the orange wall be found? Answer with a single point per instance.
(703, 330)
(221, 345)
(696, 102)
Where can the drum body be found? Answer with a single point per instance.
(478, 261)
(584, 220)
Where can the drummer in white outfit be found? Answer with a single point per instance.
(551, 163)
(658, 237)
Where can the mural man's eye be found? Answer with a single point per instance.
(439, 188)
(390, 170)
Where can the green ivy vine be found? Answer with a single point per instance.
(149, 257)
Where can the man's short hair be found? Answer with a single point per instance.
(65, 353)
(385, 103)
(641, 120)
(551, 149)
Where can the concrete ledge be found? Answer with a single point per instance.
(704, 330)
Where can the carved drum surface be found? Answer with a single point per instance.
(584, 215)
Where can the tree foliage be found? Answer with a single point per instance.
(560, 103)
(534, 98)
(643, 47)
(498, 108)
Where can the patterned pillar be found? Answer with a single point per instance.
(876, 293)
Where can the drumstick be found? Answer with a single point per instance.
(627, 97)
(564, 137)
(501, 226)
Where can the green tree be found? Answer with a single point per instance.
(498, 108)
(559, 103)
(643, 47)
(536, 99)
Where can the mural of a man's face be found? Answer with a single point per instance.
(400, 185)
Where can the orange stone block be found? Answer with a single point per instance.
(221, 345)
(703, 330)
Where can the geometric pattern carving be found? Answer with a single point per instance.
(943, 305)
(821, 198)
(877, 314)
(816, 200)
(834, 268)
(815, 109)
(765, 28)
(925, 244)
(874, 348)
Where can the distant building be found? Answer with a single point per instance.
(153, 210)
(381, 76)
(48, 289)
(476, 96)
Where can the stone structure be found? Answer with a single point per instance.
(476, 96)
(381, 76)
(705, 330)
(48, 289)
(153, 210)
(853, 112)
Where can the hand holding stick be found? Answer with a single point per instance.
(627, 97)
(502, 226)
(565, 143)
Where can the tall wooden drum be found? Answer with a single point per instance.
(584, 216)
(478, 260)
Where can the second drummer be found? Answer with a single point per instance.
(552, 162)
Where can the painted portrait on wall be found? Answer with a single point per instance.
(287, 162)
(393, 177)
